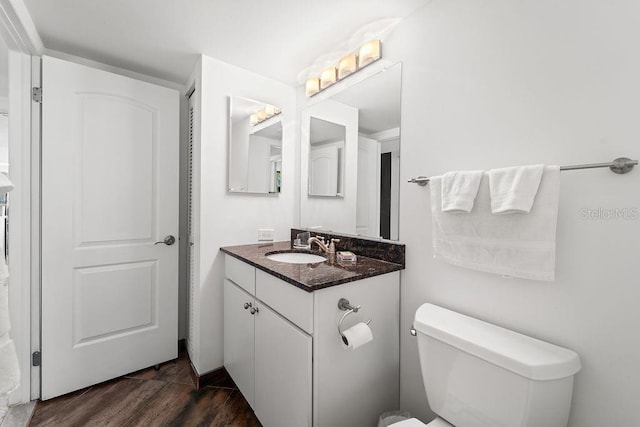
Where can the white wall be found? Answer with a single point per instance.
(222, 218)
(497, 83)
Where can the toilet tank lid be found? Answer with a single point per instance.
(524, 355)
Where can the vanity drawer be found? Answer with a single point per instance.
(240, 273)
(289, 301)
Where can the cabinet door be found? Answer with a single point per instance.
(282, 371)
(239, 339)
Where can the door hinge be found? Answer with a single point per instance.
(36, 94)
(35, 358)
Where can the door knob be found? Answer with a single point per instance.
(169, 240)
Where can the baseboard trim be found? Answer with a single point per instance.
(210, 378)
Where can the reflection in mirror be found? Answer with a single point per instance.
(368, 171)
(326, 158)
(255, 147)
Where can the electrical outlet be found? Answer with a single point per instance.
(265, 235)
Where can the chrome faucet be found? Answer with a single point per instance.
(319, 240)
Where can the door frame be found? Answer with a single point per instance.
(22, 39)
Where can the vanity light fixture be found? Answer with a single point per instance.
(263, 114)
(369, 52)
(328, 77)
(349, 64)
(270, 111)
(312, 86)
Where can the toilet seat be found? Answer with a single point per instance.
(414, 422)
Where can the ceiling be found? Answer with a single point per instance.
(287, 40)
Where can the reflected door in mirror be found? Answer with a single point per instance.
(323, 171)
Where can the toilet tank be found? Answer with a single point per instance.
(479, 374)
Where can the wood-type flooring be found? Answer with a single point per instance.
(164, 397)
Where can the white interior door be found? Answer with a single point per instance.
(110, 149)
(368, 200)
(323, 167)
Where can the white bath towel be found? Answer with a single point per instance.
(459, 190)
(514, 189)
(518, 245)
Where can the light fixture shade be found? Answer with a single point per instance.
(270, 110)
(369, 52)
(262, 115)
(312, 86)
(327, 77)
(253, 119)
(347, 65)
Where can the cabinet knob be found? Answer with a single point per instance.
(247, 305)
(254, 310)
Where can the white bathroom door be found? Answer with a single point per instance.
(110, 148)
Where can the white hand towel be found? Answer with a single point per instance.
(514, 189)
(516, 245)
(459, 190)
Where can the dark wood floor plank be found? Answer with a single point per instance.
(237, 413)
(204, 407)
(110, 403)
(164, 397)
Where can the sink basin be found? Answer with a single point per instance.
(296, 257)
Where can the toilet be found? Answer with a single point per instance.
(479, 374)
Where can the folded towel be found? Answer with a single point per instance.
(459, 190)
(515, 245)
(514, 189)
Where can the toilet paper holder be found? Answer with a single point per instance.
(344, 305)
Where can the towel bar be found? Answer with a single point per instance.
(620, 165)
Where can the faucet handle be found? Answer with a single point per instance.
(332, 246)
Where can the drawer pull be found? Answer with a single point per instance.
(247, 305)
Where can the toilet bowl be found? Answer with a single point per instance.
(479, 374)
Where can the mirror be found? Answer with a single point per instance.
(350, 142)
(255, 147)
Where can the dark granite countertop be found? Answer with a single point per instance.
(310, 277)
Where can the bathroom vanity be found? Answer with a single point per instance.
(281, 341)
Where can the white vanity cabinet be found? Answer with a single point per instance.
(285, 354)
(268, 357)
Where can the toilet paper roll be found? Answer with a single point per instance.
(357, 336)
